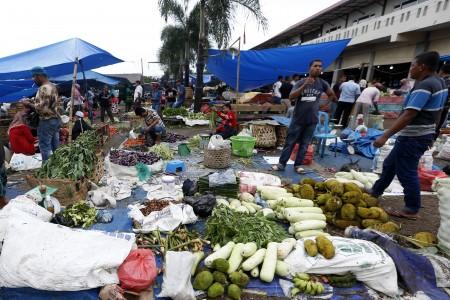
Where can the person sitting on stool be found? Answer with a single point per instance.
(229, 125)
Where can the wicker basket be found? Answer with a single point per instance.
(265, 135)
(281, 132)
(99, 169)
(68, 192)
(217, 159)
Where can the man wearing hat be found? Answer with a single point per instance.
(47, 106)
(156, 97)
(80, 125)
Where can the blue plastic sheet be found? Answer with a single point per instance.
(445, 57)
(57, 59)
(414, 271)
(262, 67)
(363, 145)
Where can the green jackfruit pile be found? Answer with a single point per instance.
(216, 282)
(345, 204)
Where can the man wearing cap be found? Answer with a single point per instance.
(47, 106)
(80, 125)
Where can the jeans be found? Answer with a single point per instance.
(48, 134)
(107, 110)
(179, 102)
(297, 133)
(332, 108)
(343, 109)
(276, 100)
(227, 132)
(153, 133)
(156, 106)
(403, 161)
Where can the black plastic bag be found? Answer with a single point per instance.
(189, 188)
(202, 205)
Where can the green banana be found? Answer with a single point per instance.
(308, 287)
(294, 292)
(303, 276)
(302, 285)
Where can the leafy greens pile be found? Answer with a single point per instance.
(80, 214)
(226, 225)
(73, 161)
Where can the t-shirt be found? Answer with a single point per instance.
(447, 84)
(171, 94)
(47, 101)
(307, 105)
(138, 92)
(349, 91)
(428, 98)
(276, 89)
(156, 96)
(105, 99)
(285, 90)
(370, 95)
(153, 115)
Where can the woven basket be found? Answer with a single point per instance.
(281, 132)
(68, 192)
(99, 169)
(217, 159)
(265, 136)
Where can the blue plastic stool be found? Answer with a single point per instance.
(322, 134)
(175, 166)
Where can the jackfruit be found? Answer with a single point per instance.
(351, 187)
(371, 201)
(203, 281)
(352, 197)
(295, 188)
(425, 239)
(309, 181)
(388, 227)
(220, 277)
(361, 203)
(335, 187)
(368, 213)
(345, 223)
(221, 265)
(370, 222)
(239, 278)
(310, 247)
(320, 186)
(333, 204)
(234, 292)
(322, 199)
(383, 216)
(325, 247)
(348, 212)
(307, 192)
(330, 216)
(215, 290)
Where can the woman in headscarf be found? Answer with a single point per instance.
(20, 138)
(77, 99)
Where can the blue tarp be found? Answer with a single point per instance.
(206, 78)
(363, 145)
(89, 75)
(445, 57)
(262, 67)
(58, 59)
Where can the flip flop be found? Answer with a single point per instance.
(277, 167)
(401, 214)
(299, 170)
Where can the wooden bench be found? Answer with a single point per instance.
(246, 112)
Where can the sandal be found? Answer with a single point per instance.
(402, 214)
(278, 167)
(299, 170)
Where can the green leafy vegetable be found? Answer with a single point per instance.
(162, 151)
(81, 214)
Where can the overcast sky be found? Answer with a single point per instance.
(129, 30)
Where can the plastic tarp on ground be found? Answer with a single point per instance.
(57, 59)
(261, 67)
(363, 145)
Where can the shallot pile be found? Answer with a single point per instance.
(130, 159)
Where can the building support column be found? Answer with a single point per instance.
(337, 71)
(370, 67)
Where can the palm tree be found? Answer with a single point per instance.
(171, 53)
(215, 19)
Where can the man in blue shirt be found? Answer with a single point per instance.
(415, 127)
(181, 91)
(156, 97)
(350, 91)
(307, 93)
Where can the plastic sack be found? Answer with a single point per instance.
(442, 187)
(217, 142)
(309, 155)
(202, 205)
(445, 151)
(222, 178)
(132, 135)
(21, 162)
(426, 178)
(426, 161)
(138, 271)
(177, 276)
(367, 261)
(143, 172)
(414, 270)
(245, 132)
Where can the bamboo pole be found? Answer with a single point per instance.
(72, 95)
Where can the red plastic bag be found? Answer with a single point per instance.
(138, 272)
(308, 159)
(426, 178)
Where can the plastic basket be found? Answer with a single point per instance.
(243, 145)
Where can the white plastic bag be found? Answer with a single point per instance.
(177, 276)
(445, 151)
(426, 161)
(52, 257)
(132, 135)
(21, 162)
(221, 178)
(366, 260)
(167, 219)
(258, 179)
(29, 206)
(245, 132)
(217, 142)
(442, 187)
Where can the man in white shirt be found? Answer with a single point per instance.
(276, 94)
(138, 93)
(368, 98)
(362, 84)
(295, 79)
(349, 93)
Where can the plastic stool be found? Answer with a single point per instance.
(175, 166)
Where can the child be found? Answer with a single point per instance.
(229, 125)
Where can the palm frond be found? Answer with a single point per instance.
(172, 9)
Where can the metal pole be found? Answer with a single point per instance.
(72, 95)
(238, 69)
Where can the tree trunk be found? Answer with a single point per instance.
(186, 62)
(200, 60)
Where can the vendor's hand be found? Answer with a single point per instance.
(379, 142)
(309, 81)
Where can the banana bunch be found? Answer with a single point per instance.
(303, 283)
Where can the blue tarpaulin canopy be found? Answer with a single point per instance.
(57, 59)
(262, 67)
(89, 75)
(445, 57)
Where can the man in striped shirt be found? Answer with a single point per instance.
(415, 128)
